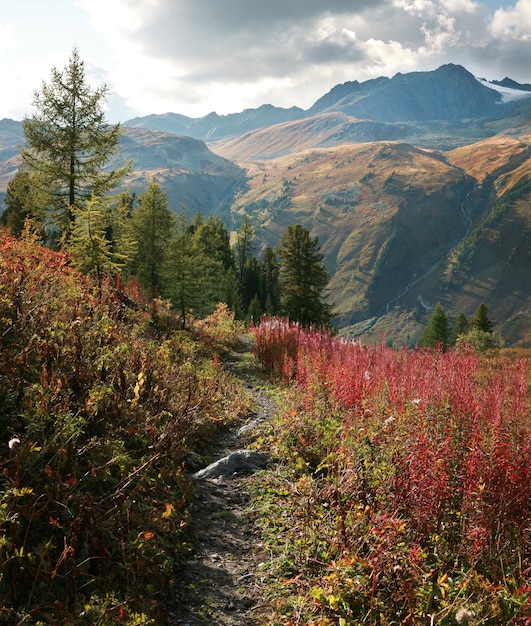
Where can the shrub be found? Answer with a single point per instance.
(416, 467)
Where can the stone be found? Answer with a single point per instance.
(234, 463)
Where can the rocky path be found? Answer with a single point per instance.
(223, 585)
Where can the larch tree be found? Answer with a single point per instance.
(19, 190)
(481, 319)
(153, 227)
(70, 149)
(438, 330)
(244, 247)
(303, 278)
(93, 252)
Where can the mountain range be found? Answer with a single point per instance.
(418, 187)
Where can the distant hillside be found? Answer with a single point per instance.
(402, 228)
(192, 175)
(214, 126)
(443, 108)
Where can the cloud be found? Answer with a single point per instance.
(194, 57)
(513, 23)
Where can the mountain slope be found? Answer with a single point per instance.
(402, 228)
(189, 172)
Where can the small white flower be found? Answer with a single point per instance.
(463, 616)
(13, 443)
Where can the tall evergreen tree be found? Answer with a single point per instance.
(196, 279)
(153, 228)
(69, 145)
(481, 319)
(303, 278)
(211, 236)
(438, 330)
(270, 282)
(244, 248)
(93, 252)
(18, 207)
(460, 325)
(251, 281)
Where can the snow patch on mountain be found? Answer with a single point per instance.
(507, 93)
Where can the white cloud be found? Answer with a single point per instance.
(196, 57)
(513, 23)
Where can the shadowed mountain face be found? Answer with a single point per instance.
(448, 94)
(193, 177)
(417, 186)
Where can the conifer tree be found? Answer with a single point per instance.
(18, 208)
(211, 236)
(460, 326)
(481, 319)
(437, 331)
(69, 146)
(303, 278)
(153, 227)
(270, 282)
(93, 252)
(244, 248)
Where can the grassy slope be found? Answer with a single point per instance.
(381, 234)
(107, 398)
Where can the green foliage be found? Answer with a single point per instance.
(303, 278)
(481, 319)
(153, 229)
(19, 204)
(461, 325)
(106, 399)
(244, 247)
(438, 330)
(196, 278)
(479, 340)
(93, 252)
(69, 146)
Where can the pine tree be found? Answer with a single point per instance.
(437, 331)
(460, 326)
(153, 227)
(303, 278)
(481, 319)
(255, 310)
(270, 282)
(250, 283)
(244, 248)
(69, 145)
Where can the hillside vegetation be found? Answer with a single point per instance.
(402, 490)
(404, 227)
(405, 494)
(102, 399)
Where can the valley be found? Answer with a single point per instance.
(417, 188)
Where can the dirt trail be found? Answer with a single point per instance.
(222, 584)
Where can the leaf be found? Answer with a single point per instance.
(291, 580)
(168, 511)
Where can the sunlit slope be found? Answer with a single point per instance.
(383, 211)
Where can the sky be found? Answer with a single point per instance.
(195, 57)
